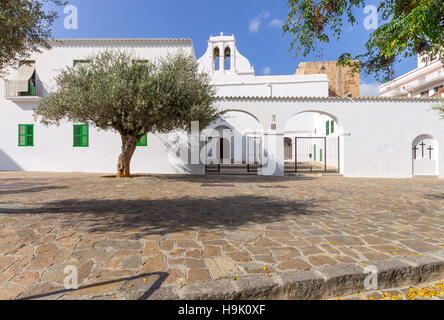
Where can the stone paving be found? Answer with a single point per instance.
(159, 231)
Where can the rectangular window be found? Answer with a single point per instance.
(314, 152)
(76, 62)
(81, 135)
(332, 130)
(143, 141)
(327, 128)
(26, 135)
(321, 155)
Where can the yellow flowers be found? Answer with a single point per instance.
(144, 279)
(236, 278)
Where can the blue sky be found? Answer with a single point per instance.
(255, 23)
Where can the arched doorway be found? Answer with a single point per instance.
(425, 156)
(312, 142)
(236, 141)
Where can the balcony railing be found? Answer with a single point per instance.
(23, 88)
(426, 80)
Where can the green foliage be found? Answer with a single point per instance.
(439, 106)
(25, 27)
(116, 90)
(408, 27)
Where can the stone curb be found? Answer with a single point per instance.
(319, 283)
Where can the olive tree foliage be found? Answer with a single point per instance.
(439, 106)
(406, 28)
(25, 27)
(116, 90)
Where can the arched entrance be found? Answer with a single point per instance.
(314, 139)
(234, 143)
(425, 156)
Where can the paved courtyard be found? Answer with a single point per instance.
(175, 230)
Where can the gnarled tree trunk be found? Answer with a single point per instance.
(129, 144)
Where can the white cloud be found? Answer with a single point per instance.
(266, 70)
(369, 89)
(276, 23)
(256, 22)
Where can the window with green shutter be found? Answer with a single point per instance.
(81, 135)
(143, 141)
(332, 130)
(26, 135)
(314, 152)
(320, 155)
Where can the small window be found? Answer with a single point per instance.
(327, 128)
(26, 135)
(143, 141)
(332, 129)
(76, 62)
(81, 135)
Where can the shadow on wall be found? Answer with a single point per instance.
(7, 163)
(144, 217)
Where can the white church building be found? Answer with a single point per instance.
(271, 125)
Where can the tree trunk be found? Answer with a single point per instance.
(129, 144)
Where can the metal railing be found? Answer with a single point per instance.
(23, 88)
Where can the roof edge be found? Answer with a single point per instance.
(77, 40)
(329, 98)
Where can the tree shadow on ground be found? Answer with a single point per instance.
(432, 196)
(219, 178)
(14, 190)
(143, 217)
(141, 292)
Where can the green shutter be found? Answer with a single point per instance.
(320, 155)
(26, 135)
(327, 128)
(143, 141)
(314, 152)
(80, 135)
(332, 127)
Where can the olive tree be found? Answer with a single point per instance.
(116, 90)
(25, 28)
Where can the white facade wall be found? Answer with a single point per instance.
(376, 135)
(53, 146)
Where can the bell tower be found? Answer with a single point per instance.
(222, 57)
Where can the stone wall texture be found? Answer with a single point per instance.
(342, 81)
